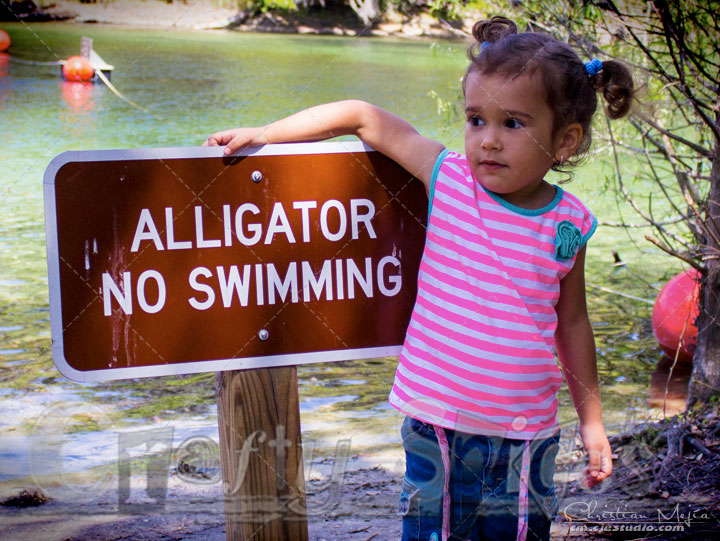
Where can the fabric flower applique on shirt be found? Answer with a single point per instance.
(567, 240)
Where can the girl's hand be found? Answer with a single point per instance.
(235, 139)
(599, 453)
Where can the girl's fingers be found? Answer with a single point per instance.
(593, 469)
(606, 465)
(219, 138)
(235, 144)
(212, 141)
(599, 467)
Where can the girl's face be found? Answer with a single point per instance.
(508, 137)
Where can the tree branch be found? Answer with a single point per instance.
(685, 257)
(706, 152)
(656, 178)
(670, 25)
(629, 197)
(662, 72)
(677, 220)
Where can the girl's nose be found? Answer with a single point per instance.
(491, 140)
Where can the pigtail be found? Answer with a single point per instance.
(494, 29)
(615, 83)
(490, 31)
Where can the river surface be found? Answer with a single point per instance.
(190, 85)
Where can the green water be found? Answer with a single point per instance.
(194, 83)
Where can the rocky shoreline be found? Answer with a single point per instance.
(208, 15)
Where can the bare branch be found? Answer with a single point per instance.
(675, 32)
(677, 220)
(663, 73)
(636, 150)
(702, 224)
(647, 137)
(660, 230)
(631, 200)
(697, 148)
(656, 177)
(680, 255)
(681, 108)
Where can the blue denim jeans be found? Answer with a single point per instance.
(484, 485)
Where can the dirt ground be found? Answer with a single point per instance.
(197, 15)
(360, 507)
(635, 504)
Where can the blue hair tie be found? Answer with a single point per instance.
(594, 66)
(483, 45)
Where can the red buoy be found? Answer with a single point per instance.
(674, 314)
(77, 68)
(4, 41)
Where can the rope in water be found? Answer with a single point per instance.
(105, 80)
(35, 63)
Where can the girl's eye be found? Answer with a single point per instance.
(475, 121)
(513, 123)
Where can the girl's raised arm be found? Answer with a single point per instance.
(376, 127)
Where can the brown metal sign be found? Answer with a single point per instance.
(170, 261)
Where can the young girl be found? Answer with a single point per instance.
(500, 288)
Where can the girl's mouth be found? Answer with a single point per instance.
(491, 165)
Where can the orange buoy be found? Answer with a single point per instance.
(77, 68)
(674, 314)
(4, 41)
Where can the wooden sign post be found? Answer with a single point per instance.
(264, 492)
(174, 261)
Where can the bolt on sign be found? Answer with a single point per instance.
(172, 261)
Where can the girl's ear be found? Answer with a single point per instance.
(568, 140)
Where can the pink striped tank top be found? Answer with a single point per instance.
(479, 354)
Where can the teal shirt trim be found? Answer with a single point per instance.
(528, 212)
(433, 178)
(590, 233)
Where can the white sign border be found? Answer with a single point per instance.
(190, 367)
